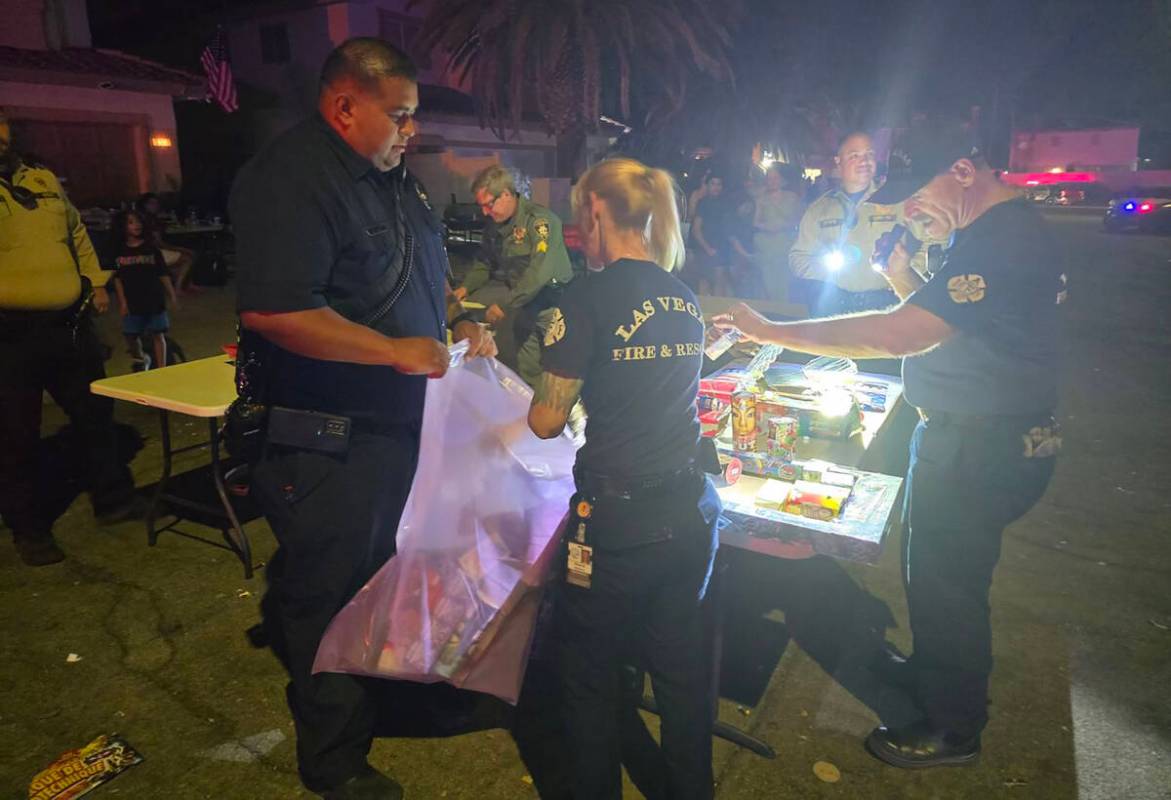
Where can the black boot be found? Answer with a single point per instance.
(919, 746)
(369, 784)
(38, 551)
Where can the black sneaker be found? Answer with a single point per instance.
(918, 746)
(370, 784)
(38, 551)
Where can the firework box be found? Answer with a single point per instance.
(78, 772)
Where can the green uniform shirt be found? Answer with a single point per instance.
(527, 253)
(44, 249)
(833, 222)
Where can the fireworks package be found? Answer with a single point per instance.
(459, 601)
(78, 772)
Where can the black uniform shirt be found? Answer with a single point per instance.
(317, 225)
(998, 286)
(634, 334)
(141, 271)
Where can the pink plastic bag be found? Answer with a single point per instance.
(459, 601)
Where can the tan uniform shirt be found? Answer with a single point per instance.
(44, 249)
(833, 223)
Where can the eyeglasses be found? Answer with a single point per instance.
(486, 208)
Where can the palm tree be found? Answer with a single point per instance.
(571, 61)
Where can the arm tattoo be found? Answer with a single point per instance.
(557, 393)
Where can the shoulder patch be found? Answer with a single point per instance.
(541, 226)
(967, 288)
(556, 330)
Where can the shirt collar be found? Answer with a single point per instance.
(355, 164)
(840, 193)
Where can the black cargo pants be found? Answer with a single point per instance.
(968, 479)
(335, 518)
(652, 560)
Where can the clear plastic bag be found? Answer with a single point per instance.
(459, 601)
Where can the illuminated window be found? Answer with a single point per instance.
(274, 44)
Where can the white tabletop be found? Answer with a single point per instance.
(203, 388)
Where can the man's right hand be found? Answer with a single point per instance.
(460, 294)
(420, 355)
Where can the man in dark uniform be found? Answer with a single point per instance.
(522, 266)
(641, 536)
(48, 342)
(980, 340)
(341, 300)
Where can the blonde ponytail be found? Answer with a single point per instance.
(640, 198)
(664, 235)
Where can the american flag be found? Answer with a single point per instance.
(220, 86)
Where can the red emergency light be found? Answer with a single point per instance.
(1146, 208)
(1047, 178)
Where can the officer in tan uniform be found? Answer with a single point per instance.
(831, 258)
(49, 280)
(521, 269)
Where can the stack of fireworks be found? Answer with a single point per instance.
(464, 599)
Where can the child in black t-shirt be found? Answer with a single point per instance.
(144, 286)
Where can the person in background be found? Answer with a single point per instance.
(777, 214)
(179, 260)
(697, 194)
(712, 228)
(48, 343)
(144, 288)
(831, 258)
(641, 536)
(521, 269)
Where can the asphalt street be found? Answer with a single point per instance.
(149, 642)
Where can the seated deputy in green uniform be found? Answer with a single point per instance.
(979, 341)
(521, 269)
(48, 343)
(341, 299)
(641, 537)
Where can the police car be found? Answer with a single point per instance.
(1147, 213)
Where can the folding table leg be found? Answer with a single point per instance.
(723, 730)
(235, 533)
(152, 534)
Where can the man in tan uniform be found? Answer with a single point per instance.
(49, 279)
(831, 258)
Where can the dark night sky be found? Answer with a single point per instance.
(1051, 62)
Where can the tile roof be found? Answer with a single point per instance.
(95, 63)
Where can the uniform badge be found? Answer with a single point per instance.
(967, 288)
(584, 509)
(518, 234)
(556, 330)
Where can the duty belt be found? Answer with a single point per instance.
(641, 488)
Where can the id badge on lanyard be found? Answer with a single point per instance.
(579, 567)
